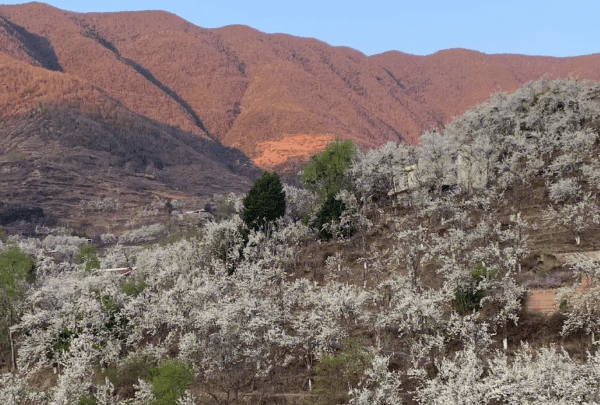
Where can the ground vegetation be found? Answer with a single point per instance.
(424, 302)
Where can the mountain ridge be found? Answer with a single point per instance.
(252, 90)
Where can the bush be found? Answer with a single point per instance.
(127, 374)
(324, 174)
(170, 380)
(14, 266)
(133, 287)
(265, 202)
(331, 212)
(224, 207)
(87, 255)
(336, 373)
(564, 190)
(88, 399)
(468, 295)
(15, 269)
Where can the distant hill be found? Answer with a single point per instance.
(277, 98)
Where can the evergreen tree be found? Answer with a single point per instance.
(265, 201)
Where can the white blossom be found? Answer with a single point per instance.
(379, 385)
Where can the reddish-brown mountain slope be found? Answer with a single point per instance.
(65, 144)
(25, 88)
(276, 97)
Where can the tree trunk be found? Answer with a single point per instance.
(13, 362)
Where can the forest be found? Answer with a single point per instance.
(397, 275)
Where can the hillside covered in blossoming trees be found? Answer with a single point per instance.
(408, 281)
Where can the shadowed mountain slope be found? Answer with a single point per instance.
(36, 47)
(61, 155)
(261, 92)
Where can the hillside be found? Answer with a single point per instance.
(88, 148)
(264, 93)
(462, 270)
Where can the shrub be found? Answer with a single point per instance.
(133, 287)
(265, 202)
(336, 373)
(224, 207)
(324, 174)
(170, 380)
(15, 269)
(87, 255)
(330, 213)
(127, 374)
(15, 266)
(468, 295)
(88, 399)
(564, 190)
(563, 304)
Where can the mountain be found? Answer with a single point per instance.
(277, 98)
(66, 156)
(97, 105)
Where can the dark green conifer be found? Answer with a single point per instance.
(265, 202)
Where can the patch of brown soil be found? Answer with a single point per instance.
(43, 379)
(545, 301)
